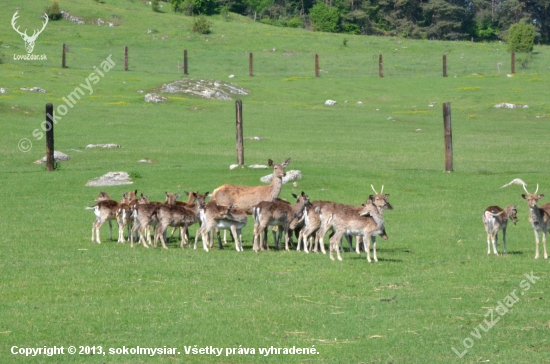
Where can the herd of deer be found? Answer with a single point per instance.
(495, 219)
(228, 209)
(230, 206)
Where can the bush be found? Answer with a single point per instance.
(155, 5)
(201, 25)
(521, 37)
(295, 23)
(53, 11)
(351, 28)
(325, 19)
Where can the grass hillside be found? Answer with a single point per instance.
(434, 283)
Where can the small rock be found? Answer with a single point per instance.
(57, 156)
(231, 76)
(390, 118)
(111, 179)
(290, 176)
(257, 138)
(510, 106)
(359, 103)
(34, 89)
(154, 98)
(90, 146)
(330, 102)
(145, 161)
(3, 91)
(233, 166)
(258, 166)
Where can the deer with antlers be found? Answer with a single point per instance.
(246, 197)
(539, 217)
(495, 219)
(29, 40)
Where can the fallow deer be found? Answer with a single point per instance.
(277, 213)
(246, 197)
(495, 219)
(213, 216)
(105, 210)
(177, 216)
(366, 223)
(539, 217)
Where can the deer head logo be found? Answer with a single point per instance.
(29, 41)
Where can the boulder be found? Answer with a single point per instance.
(111, 179)
(57, 156)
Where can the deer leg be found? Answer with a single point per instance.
(367, 241)
(199, 232)
(489, 238)
(504, 240)
(235, 237)
(275, 237)
(219, 237)
(257, 231)
(544, 244)
(350, 245)
(110, 230)
(336, 238)
(536, 244)
(373, 238)
(495, 240)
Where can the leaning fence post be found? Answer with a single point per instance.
(49, 137)
(240, 147)
(63, 64)
(126, 58)
(185, 62)
(444, 65)
(513, 62)
(316, 65)
(380, 67)
(448, 137)
(251, 65)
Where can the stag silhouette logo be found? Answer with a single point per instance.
(29, 40)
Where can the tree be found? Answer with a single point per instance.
(521, 37)
(325, 19)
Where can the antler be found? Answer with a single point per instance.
(382, 191)
(537, 190)
(13, 19)
(516, 181)
(373, 189)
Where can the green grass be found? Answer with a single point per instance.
(433, 283)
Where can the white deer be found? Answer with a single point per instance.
(29, 40)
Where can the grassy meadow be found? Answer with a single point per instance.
(434, 283)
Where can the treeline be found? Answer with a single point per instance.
(422, 19)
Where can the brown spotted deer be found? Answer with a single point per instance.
(124, 215)
(246, 197)
(495, 219)
(214, 216)
(177, 216)
(539, 217)
(145, 218)
(105, 210)
(366, 222)
(277, 213)
(326, 209)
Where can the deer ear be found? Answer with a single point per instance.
(207, 194)
(187, 193)
(541, 196)
(166, 193)
(285, 163)
(270, 162)
(523, 195)
(367, 213)
(387, 195)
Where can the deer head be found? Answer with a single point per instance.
(532, 198)
(29, 40)
(380, 200)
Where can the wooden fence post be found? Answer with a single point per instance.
(63, 64)
(448, 137)
(251, 65)
(380, 68)
(49, 137)
(316, 65)
(185, 62)
(513, 62)
(126, 58)
(240, 147)
(444, 65)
